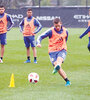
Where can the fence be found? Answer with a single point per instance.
(14, 4)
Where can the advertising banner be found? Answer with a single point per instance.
(72, 17)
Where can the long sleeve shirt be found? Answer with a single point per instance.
(9, 19)
(48, 33)
(36, 23)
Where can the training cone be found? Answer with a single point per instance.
(12, 84)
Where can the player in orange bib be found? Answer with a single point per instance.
(87, 32)
(57, 48)
(4, 27)
(28, 27)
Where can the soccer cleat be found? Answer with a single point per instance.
(54, 71)
(35, 61)
(1, 61)
(27, 61)
(68, 83)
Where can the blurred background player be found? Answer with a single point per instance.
(5, 25)
(58, 36)
(27, 27)
(87, 32)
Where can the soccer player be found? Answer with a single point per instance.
(87, 32)
(5, 25)
(27, 27)
(57, 49)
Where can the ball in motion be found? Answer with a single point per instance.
(33, 77)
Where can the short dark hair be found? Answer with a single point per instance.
(57, 20)
(29, 9)
(1, 6)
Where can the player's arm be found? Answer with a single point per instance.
(10, 22)
(89, 26)
(21, 25)
(89, 41)
(67, 35)
(89, 38)
(89, 33)
(86, 32)
(38, 25)
(42, 36)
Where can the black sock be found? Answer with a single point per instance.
(28, 57)
(66, 79)
(35, 58)
(1, 58)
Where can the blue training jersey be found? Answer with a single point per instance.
(86, 32)
(36, 23)
(48, 33)
(9, 20)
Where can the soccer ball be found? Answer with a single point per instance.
(33, 77)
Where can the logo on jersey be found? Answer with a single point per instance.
(60, 41)
(1, 23)
(52, 59)
(1, 26)
(28, 26)
(28, 29)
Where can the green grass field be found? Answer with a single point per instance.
(50, 87)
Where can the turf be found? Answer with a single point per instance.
(50, 87)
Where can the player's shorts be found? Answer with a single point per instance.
(29, 40)
(55, 55)
(3, 39)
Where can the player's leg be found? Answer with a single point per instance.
(33, 44)
(2, 53)
(53, 58)
(57, 64)
(34, 54)
(27, 45)
(56, 61)
(3, 43)
(61, 71)
(60, 58)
